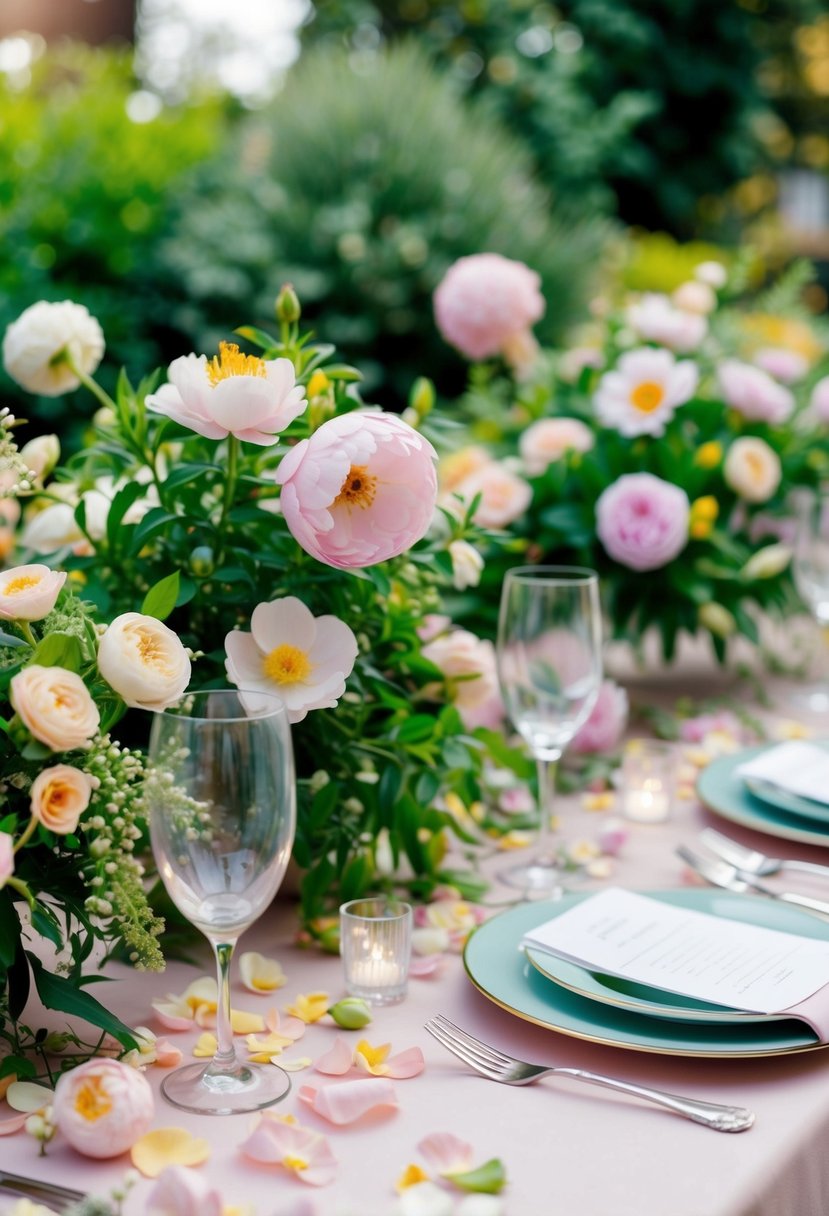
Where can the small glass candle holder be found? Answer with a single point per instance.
(376, 945)
(649, 772)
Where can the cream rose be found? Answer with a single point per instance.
(144, 661)
(467, 564)
(503, 495)
(60, 795)
(549, 439)
(41, 454)
(55, 706)
(28, 593)
(752, 469)
(6, 858)
(38, 343)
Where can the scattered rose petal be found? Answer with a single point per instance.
(182, 1192)
(298, 1149)
(260, 974)
(310, 1007)
(264, 1049)
(346, 1101)
(426, 967)
(29, 1097)
(166, 1055)
(376, 1061)
(206, 1046)
(242, 1022)
(295, 1065)
(337, 1061)
(167, 1146)
(446, 1153)
(289, 1028)
(13, 1124)
(411, 1176)
(178, 1012)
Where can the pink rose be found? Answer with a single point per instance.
(102, 1107)
(55, 706)
(655, 319)
(604, 728)
(231, 394)
(504, 497)
(59, 796)
(783, 364)
(182, 1192)
(468, 664)
(28, 593)
(753, 393)
(642, 521)
(694, 730)
(484, 302)
(550, 439)
(6, 858)
(362, 489)
(819, 400)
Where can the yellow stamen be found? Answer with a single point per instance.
(15, 585)
(231, 362)
(318, 383)
(709, 455)
(92, 1100)
(287, 664)
(647, 396)
(295, 1163)
(358, 490)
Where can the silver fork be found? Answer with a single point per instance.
(751, 861)
(722, 874)
(498, 1066)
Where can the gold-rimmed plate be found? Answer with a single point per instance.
(503, 973)
(724, 793)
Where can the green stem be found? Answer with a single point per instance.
(230, 486)
(26, 629)
(24, 839)
(88, 383)
(19, 885)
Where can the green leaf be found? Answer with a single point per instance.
(57, 992)
(488, 1178)
(59, 650)
(160, 600)
(416, 729)
(35, 750)
(18, 983)
(45, 923)
(18, 1066)
(188, 472)
(121, 503)
(8, 639)
(9, 929)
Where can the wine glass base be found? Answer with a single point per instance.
(194, 1089)
(535, 878)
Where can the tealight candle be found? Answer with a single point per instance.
(648, 778)
(376, 944)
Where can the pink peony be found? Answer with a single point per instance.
(783, 364)
(362, 489)
(642, 521)
(231, 394)
(608, 718)
(655, 319)
(504, 496)
(694, 730)
(468, 664)
(753, 392)
(484, 302)
(182, 1192)
(102, 1107)
(6, 858)
(819, 400)
(550, 439)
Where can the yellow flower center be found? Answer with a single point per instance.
(755, 464)
(287, 664)
(15, 585)
(358, 490)
(373, 1056)
(294, 1163)
(318, 383)
(231, 362)
(647, 396)
(92, 1100)
(151, 651)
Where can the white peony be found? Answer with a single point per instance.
(144, 661)
(39, 344)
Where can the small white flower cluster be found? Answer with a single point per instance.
(15, 475)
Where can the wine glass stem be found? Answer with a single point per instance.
(546, 801)
(225, 1061)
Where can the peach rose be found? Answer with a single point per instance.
(6, 858)
(551, 438)
(28, 593)
(60, 795)
(752, 469)
(55, 706)
(144, 661)
(102, 1107)
(504, 496)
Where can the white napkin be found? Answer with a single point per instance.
(796, 767)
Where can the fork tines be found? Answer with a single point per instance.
(478, 1055)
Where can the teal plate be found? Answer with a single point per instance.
(500, 971)
(724, 793)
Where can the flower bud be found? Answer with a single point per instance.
(287, 305)
(717, 619)
(202, 562)
(422, 397)
(351, 1013)
(767, 562)
(41, 455)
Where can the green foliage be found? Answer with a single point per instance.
(658, 102)
(83, 202)
(362, 196)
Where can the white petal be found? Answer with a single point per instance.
(286, 621)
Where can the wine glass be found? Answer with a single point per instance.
(549, 654)
(810, 567)
(221, 800)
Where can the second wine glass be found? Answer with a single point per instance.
(549, 654)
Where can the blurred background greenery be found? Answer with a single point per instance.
(171, 167)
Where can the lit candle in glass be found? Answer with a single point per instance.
(648, 779)
(375, 944)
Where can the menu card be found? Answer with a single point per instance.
(706, 957)
(800, 768)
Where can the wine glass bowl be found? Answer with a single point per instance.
(550, 671)
(221, 800)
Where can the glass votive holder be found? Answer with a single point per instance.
(376, 945)
(649, 773)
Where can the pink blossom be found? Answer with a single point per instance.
(231, 394)
(433, 624)
(297, 1149)
(782, 363)
(102, 1107)
(642, 521)
(516, 801)
(362, 489)
(468, 664)
(504, 496)
(612, 836)
(819, 400)
(347, 1101)
(753, 392)
(655, 319)
(180, 1191)
(608, 718)
(694, 730)
(484, 301)
(6, 858)
(550, 439)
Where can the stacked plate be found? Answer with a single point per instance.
(603, 1009)
(760, 805)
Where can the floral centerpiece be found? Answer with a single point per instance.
(664, 451)
(279, 527)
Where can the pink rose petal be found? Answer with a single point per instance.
(13, 1124)
(275, 1143)
(289, 1027)
(337, 1061)
(172, 1021)
(346, 1101)
(409, 1063)
(426, 966)
(166, 1055)
(446, 1153)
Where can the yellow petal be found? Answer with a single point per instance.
(295, 1065)
(311, 1007)
(371, 1059)
(167, 1146)
(242, 1022)
(206, 1046)
(26, 1097)
(270, 1045)
(410, 1177)
(203, 991)
(260, 974)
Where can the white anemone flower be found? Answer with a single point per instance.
(304, 659)
(640, 396)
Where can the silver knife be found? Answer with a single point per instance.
(48, 1193)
